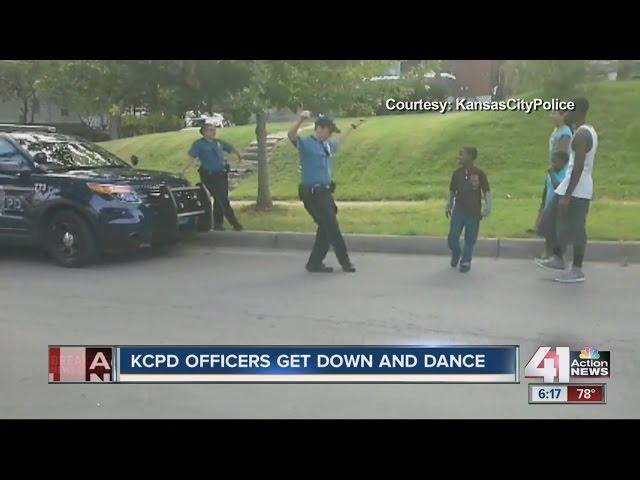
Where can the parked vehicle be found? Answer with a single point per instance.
(198, 121)
(76, 199)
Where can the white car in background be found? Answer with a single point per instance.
(197, 122)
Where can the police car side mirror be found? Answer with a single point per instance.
(134, 160)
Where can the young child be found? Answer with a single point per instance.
(546, 217)
(469, 185)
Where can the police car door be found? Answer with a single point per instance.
(16, 187)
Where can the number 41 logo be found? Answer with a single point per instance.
(549, 363)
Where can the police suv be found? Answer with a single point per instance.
(77, 200)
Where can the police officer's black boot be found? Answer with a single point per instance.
(236, 226)
(348, 267)
(343, 257)
(231, 216)
(320, 268)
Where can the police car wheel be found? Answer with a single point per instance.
(70, 240)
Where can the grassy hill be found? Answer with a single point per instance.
(608, 219)
(411, 157)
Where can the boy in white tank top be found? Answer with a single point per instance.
(573, 197)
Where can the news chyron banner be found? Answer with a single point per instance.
(284, 364)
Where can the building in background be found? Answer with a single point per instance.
(42, 111)
(479, 79)
(38, 111)
(93, 128)
(476, 79)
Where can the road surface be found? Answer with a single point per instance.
(206, 295)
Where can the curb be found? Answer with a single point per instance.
(601, 251)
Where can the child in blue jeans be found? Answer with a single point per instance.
(469, 185)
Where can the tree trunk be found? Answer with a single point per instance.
(34, 105)
(624, 69)
(114, 126)
(263, 201)
(24, 111)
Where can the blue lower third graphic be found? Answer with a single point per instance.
(318, 364)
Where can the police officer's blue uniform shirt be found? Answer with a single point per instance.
(211, 154)
(315, 160)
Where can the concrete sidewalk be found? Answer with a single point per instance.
(604, 251)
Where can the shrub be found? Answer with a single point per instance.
(239, 116)
(154, 123)
(553, 77)
(369, 99)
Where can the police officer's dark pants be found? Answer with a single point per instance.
(218, 186)
(323, 210)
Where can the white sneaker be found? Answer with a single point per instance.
(553, 264)
(574, 275)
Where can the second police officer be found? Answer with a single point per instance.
(214, 172)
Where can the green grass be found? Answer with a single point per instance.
(608, 220)
(168, 151)
(411, 157)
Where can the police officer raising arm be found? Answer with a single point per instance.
(316, 189)
(214, 172)
(306, 115)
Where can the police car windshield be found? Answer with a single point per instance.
(62, 155)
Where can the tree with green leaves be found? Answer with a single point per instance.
(96, 87)
(553, 77)
(211, 83)
(316, 85)
(19, 80)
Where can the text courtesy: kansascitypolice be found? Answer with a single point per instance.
(302, 360)
(466, 105)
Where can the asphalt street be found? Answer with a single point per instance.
(208, 295)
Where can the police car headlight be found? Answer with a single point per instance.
(130, 197)
(124, 193)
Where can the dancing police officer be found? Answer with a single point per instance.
(316, 189)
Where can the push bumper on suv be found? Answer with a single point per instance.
(164, 212)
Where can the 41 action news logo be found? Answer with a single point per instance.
(561, 363)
